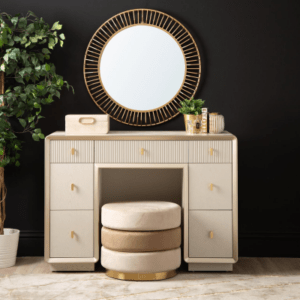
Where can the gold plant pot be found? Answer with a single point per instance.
(193, 123)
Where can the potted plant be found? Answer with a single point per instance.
(192, 110)
(31, 82)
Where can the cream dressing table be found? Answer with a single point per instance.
(73, 174)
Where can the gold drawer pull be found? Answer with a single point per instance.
(72, 234)
(72, 186)
(72, 151)
(211, 234)
(142, 151)
(211, 186)
(81, 120)
(211, 151)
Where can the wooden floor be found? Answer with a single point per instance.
(252, 278)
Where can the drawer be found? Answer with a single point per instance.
(62, 244)
(210, 152)
(204, 223)
(71, 186)
(210, 186)
(141, 152)
(71, 151)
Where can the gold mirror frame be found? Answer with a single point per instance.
(103, 35)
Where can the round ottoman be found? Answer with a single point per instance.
(141, 240)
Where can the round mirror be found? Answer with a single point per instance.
(142, 68)
(139, 66)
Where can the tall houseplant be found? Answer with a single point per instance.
(30, 82)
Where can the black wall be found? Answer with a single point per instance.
(250, 55)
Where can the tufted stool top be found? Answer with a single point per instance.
(141, 215)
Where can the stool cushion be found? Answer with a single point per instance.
(141, 241)
(145, 262)
(141, 215)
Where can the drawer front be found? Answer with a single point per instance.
(71, 151)
(210, 234)
(210, 152)
(62, 243)
(141, 152)
(210, 186)
(71, 186)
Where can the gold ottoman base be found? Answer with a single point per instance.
(141, 276)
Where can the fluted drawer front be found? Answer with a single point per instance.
(210, 152)
(72, 151)
(141, 152)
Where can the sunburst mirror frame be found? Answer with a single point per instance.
(132, 18)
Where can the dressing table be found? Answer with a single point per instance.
(138, 68)
(73, 174)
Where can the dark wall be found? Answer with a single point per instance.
(250, 55)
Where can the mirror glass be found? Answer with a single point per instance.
(142, 68)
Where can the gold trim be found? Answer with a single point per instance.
(106, 31)
(140, 276)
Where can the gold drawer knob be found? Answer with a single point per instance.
(72, 151)
(142, 151)
(211, 187)
(72, 234)
(211, 234)
(72, 186)
(211, 151)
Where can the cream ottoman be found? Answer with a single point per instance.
(141, 240)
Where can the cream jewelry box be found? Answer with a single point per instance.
(87, 124)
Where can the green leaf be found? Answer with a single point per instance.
(46, 51)
(22, 23)
(30, 119)
(33, 39)
(61, 43)
(36, 105)
(20, 80)
(40, 87)
(22, 122)
(56, 26)
(41, 136)
(14, 20)
(17, 163)
(27, 44)
(62, 36)
(35, 137)
(47, 67)
(51, 43)
(17, 38)
(38, 130)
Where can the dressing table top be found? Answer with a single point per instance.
(144, 135)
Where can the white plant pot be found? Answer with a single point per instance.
(8, 247)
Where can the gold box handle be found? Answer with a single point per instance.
(72, 234)
(211, 187)
(211, 234)
(72, 186)
(72, 151)
(81, 120)
(142, 151)
(211, 151)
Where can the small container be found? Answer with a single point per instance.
(87, 124)
(193, 123)
(204, 120)
(216, 123)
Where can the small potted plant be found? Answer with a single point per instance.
(192, 110)
(31, 83)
